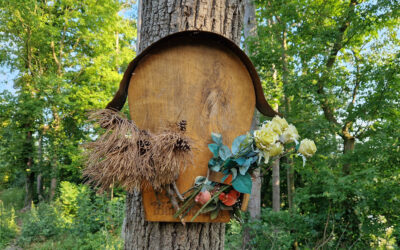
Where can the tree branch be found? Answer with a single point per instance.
(337, 46)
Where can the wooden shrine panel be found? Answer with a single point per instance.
(203, 83)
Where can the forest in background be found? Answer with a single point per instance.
(331, 67)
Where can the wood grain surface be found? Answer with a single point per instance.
(205, 84)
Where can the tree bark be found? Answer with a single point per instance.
(348, 146)
(157, 19)
(30, 176)
(254, 207)
(285, 74)
(276, 190)
(39, 178)
(290, 183)
(249, 28)
(29, 188)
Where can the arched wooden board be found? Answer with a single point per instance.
(203, 83)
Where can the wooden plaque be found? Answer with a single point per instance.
(203, 83)
(197, 76)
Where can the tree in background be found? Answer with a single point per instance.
(69, 55)
(334, 67)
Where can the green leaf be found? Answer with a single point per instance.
(229, 163)
(243, 183)
(240, 161)
(217, 138)
(214, 164)
(237, 143)
(214, 214)
(224, 152)
(209, 208)
(234, 173)
(243, 169)
(216, 195)
(225, 207)
(214, 148)
(199, 180)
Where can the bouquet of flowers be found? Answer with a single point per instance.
(274, 139)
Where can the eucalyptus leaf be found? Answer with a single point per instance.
(200, 180)
(216, 168)
(229, 163)
(237, 144)
(224, 152)
(243, 183)
(243, 169)
(240, 161)
(217, 138)
(254, 159)
(234, 173)
(214, 164)
(214, 148)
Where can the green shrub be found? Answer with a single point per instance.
(68, 199)
(13, 198)
(233, 235)
(41, 223)
(100, 240)
(274, 230)
(97, 212)
(79, 219)
(8, 227)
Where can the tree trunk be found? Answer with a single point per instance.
(53, 182)
(39, 178)
(285, 74)
(290, 183)
(249, 28)
(254, 207)
(348, 146)
(276, 190)
(53, 186)
(158, 19)
(29, 188)
(30, 176)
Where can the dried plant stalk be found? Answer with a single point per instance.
(134, 158)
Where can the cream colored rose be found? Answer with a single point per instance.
(307, 148)
(276, 149)
(264, 137)
(281, 121)
(275, 126)
(290, 134)
(265, 154)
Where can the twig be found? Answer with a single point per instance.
(178, 194)
(173, 201)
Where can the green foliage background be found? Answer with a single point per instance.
(332, 68)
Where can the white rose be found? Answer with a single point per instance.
(265, 137)
(307, 148)
(275, 126)
(290, 134)
(281, 121)
(276, 149)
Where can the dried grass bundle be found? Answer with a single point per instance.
(170, 153)
(134, 158)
